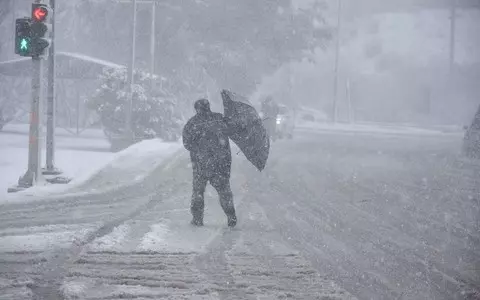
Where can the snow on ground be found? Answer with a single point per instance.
(373, 128)
(92, 169)
(365, 215)
(131, 165)
(76, 156)
(42, 238)
(84, 158)
(157, 254)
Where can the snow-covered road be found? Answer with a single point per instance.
(376, 217)
(385, 217)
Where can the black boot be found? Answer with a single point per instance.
(232, 221)
(197, 222)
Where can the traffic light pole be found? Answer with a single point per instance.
(34, 150)
(50, 147)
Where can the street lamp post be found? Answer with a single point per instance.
(337, 55)
(453, 15)
(152, 44)
(131, 67)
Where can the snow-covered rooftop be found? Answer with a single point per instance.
(69, 65)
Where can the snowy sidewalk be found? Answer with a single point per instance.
(60, 213)
(86, 159)
(36, 238)
(76, 156)
(373, 128)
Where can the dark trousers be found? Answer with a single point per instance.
(221, 183)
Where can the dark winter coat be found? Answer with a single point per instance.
(206, 137)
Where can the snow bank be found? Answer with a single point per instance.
(130, 166)
(372, 129)
(86, 160)
(75, 156)
(74, 164)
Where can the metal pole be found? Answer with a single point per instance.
(337, 54)
(34, 150)
(78, 112)
(349, 99)
(290, 83)
(453, 16)
(131, 67)
(50, 147)
(152, 44)
(14, 8)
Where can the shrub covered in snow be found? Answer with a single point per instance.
(154, 111)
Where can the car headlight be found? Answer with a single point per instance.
(279, 120)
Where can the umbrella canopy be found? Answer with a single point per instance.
(246, 129)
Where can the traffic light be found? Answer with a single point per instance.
(23, 38)
(40, 29)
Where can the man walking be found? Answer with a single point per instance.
(206, 137)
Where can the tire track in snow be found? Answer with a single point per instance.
(251, 261)
(48, 285)
(138, 222)
(402, 239)
(309, 224)
(149, 274)
(74, 263)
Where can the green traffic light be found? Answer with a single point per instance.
(24, 44)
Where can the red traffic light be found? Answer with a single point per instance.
(39, 14)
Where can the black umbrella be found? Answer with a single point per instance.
(246, 128)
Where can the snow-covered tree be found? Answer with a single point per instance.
(234, 42)
(237, 42)
(154, 111)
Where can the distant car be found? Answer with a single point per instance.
(308, 117)
(471, 140)
(285, 122)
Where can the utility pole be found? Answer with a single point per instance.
(51, 97)
(337, 54)
(453, 17)
(130, 75)
(152, 44)
(351, 115)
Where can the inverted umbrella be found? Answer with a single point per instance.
(246, 129)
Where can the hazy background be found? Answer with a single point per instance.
(397, 64)
(393, 63)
